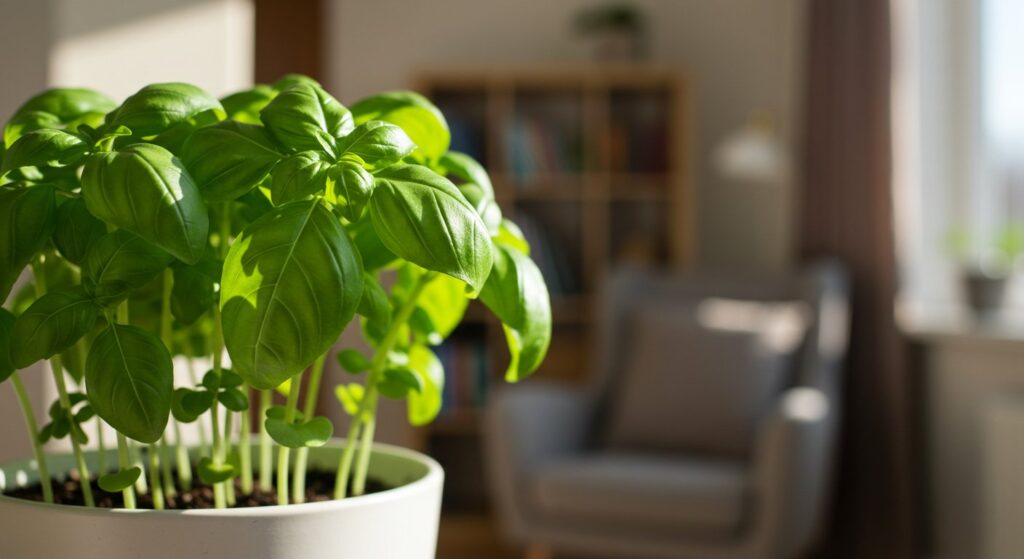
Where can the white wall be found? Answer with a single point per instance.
(741, 55)
(115, 46)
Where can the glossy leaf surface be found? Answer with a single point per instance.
(292, 282)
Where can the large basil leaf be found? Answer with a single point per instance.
(510, 235)
(423, 406)
(192, 295)
(420, 119)
(421, 216)
(373, 252)
(440, 306)
(118, 262)
(76, 230)
(26, 122)
(7, 368)
(130, 381)
(291, 283)
(27, 215)
(376, 143)
(517, 294)
(160, 106)
(298, 176)
(245, 106)
(305, 117)
(145, 189)
(289, 80)
(229, 158)
(48, 147)
(68, 103)
(51, 325)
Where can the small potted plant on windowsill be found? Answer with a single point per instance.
(985, 278)
(178, 225)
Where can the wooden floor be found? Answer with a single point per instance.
(471, 536)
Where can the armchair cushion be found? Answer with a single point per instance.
(697, 383)
(648, 493)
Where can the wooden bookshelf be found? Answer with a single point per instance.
(593, 163)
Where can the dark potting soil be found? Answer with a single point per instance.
(319, 487)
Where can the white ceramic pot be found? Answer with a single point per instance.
(399, 523)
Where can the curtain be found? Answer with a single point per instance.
(847, 212)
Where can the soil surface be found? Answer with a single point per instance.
(319, 487)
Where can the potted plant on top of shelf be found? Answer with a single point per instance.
(177, 225)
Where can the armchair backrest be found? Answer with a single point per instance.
(821, 286)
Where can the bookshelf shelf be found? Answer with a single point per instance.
(592, 163)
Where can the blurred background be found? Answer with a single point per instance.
(781, 238)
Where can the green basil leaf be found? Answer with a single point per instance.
(467, 170)
(212, 473)
(73, 358)
(187, 405)
(28, 216)
(228, 159)
(352, 361)
(192, 295)
(234, 399)
(418, 117)
(475, 185)
(516, 294)
(375, 255)
(230, 379)
(7, 368)
(145, 189)
(23, 123)
(305, 117)
(160, 106)
(350, 396)
(130, 381)
(511, 236)
(486, 207)
(444, 302)
(292, 281)
(374, 306)
(423, 406)
(51, 325)
(289, 80)
(245, 106)
(68, 103)
(119, 262)
(348, 188)
(421, 216)
(119, 481)
(76, 230)
(399, 382)
(298, 176)
(48, 147)
(313, 433)
(84, 414)
(376, 143)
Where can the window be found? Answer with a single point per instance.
(958, 112)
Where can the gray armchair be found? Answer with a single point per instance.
(561, 483)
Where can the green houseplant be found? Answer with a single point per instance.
(176, 226)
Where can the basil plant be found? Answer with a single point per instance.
(176, 227)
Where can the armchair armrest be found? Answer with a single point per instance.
(793, 470)
(527, 426)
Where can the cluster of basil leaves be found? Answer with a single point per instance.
(323, 202)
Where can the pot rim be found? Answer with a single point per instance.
(435, 474)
